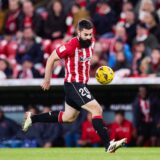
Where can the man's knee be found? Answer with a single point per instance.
(69, 118)
(72, 119)
(98, 110)
(94, 108)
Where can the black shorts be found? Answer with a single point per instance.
(77, 94)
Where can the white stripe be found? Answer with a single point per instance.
(69, 70)
(93, 43)
(76, 65)
(89, 62)
(84, 66)
(65, 72)
(90, 52)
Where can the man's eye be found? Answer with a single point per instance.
(88, 34)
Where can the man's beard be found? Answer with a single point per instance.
(84, 43)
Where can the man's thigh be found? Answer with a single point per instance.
(93, 107)
(70, 113)
(70, 110)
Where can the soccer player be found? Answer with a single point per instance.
(77, 54)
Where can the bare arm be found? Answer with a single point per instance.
(48, 70)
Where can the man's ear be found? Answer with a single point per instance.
(78, 32)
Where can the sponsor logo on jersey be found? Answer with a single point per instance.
(83, 59)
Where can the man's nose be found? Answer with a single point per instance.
(88, 37)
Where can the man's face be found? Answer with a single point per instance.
(141, 31)
(13, 5)
(155, 56)
(85, 37)
(119, 118)
(28, 8)
(89, 117)
(27, 65)
(142, 92)
(28, 34)
(140, 47)
(130, 16)
(3, 65)
(57, 7)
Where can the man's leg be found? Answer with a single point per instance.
(95, 109)
(69, 115)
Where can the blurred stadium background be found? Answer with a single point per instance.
(128, 40)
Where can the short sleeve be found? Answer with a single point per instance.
(93, 43)
(64, 50)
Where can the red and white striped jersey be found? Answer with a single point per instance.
(77, 60)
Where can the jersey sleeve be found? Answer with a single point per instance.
(93, 43)
(64, 50)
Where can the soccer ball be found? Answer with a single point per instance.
(104, 75)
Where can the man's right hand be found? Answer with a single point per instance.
(45, 85)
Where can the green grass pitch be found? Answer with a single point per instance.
(79, 154)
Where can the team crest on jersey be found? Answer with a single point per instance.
(83, 59)
(62, 48)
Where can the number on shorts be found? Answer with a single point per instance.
(84, 91)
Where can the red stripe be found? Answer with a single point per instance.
(87, 67)
(80, 67)
(60, 120)
(71, 68)
(72, 65)
(97, 117)
(66, 71)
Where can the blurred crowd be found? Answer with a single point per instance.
(143, 130)
(127, 34)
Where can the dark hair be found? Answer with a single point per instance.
(142, 25)
(143, 86)
(28, 1)
(75, 4)
(27, 27)
(157, 49)
(104, 2)
(85, 24)
(120, 111)
(53, 2)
